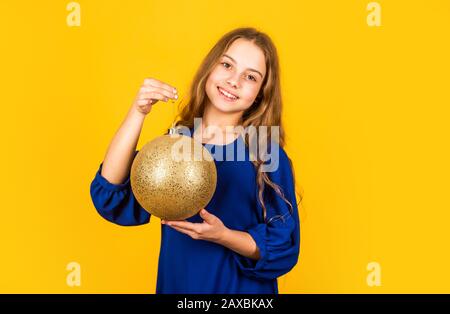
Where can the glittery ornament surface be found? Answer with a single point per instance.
(173, 188)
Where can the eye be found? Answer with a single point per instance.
(252, 77)
(226, 63)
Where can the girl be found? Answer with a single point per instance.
(249, 233)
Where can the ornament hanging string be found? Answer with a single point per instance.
(175, 108)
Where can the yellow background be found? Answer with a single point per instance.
(366, 115)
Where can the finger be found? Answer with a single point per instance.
(181, 228)
(208, 217)
(188, 232)
(146, 90)
(144, 102)
(184, 224)
(153, 95)
(157, 83)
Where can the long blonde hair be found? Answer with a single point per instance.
(265, 111)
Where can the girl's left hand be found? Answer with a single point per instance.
(211, 229)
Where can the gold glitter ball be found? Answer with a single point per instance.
(173, 177)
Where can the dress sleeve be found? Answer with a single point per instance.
(116, 202)
(278, 238)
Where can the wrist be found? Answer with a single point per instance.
(225, 236)
(136, 115)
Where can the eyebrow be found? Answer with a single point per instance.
(247, 68)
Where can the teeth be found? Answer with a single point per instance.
(227, 94)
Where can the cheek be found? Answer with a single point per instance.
(213, 80)
(217, 74)
(250, 92)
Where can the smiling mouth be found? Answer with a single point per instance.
(226, 95)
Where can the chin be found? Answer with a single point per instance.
(218, 105)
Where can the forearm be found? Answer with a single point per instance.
(240, 242)
(119, 156)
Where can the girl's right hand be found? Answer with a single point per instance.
(151, 91)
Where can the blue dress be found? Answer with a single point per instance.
(193, 266)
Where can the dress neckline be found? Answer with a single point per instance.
(223, 145)
(217, 145)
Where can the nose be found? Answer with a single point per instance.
(233, 80)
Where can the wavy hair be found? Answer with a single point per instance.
(265, 111)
